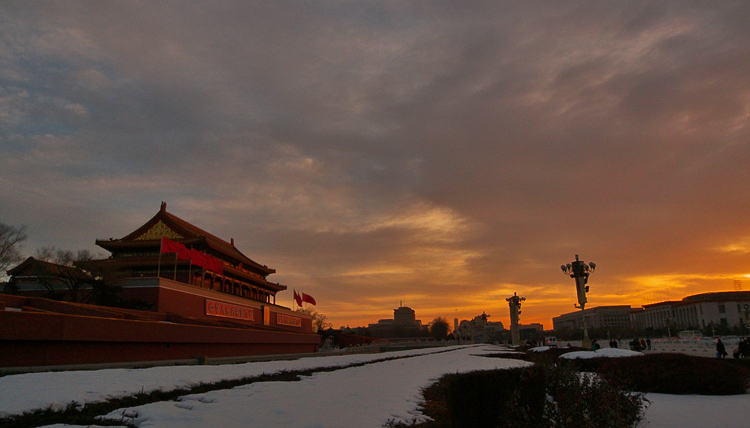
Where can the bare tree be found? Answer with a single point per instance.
(82, 280)
(319, 322)
(10, 246)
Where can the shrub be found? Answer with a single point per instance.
(494, 398)
(549, 356)
(587, 401)
(677, 374)
(742, 362)
(531, 397)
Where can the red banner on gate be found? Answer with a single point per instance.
(228, 310)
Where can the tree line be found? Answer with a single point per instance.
(65, 274)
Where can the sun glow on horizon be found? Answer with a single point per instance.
(544, 301)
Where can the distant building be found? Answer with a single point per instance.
(596, 317)
(403, 324)
(729, 308)
(41, 278)
(698, 311)
(478, 330)
(404, 316)
(538, 327)
(493, 329)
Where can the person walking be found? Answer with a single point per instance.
(744, 348)
(721, 351)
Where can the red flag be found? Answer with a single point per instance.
(205, 261)
(170, 246)
(197, 258)
(308, 298)
(214, 264)
(297, 298)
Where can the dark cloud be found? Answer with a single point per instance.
(372, 151)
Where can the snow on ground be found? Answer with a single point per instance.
(366, 396)
(697, 411)
(601, 353)
(60, 388)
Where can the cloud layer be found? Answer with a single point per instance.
(438, 154)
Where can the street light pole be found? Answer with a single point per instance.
(515, 305)
(580, 271)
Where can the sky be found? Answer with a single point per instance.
(437, 155)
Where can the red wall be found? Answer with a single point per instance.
(40, 339)
(190, 301)
(45, 332)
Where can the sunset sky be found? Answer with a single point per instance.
(441, 154)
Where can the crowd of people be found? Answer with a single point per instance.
(640, 345)
(644, 344)
(742, 350)
(635, 344)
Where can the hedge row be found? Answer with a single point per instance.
(531, 397)
(677, 374)
(555, 392)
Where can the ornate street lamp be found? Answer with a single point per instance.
(515, 305)
(580, 271)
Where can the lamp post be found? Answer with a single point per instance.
(515, 305)
(580, 271)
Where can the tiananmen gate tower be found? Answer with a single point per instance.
(207, 300)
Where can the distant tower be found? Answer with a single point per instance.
(737, 285)
(515, 310)
(404, 315)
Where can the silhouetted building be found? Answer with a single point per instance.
(404, 324)
(478, 330)
(596, 317)
(404, 316)
(729, 308)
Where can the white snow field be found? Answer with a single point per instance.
(365, 396)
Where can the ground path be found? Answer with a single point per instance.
(365, 396)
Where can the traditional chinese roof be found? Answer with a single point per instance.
(35, 268)
(165, 224)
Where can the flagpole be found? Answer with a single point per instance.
(190, 269)
(158, 269)
(175, 266)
